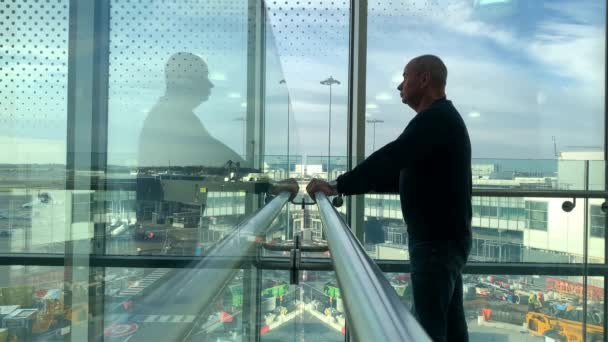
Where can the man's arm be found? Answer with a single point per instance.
(370, 175)
(380, 171)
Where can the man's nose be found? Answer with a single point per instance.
(399, 86)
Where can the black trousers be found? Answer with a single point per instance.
(436, 278)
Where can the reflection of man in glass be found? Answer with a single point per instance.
(172, 134)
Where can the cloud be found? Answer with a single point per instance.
(17, 150)
(383, 96)
(570, 50)
(217, 76)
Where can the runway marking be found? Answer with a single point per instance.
(151, 318)
(165, 318)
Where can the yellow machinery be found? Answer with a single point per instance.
(568, 326)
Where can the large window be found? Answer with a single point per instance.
(508, 78)
(597, 224)
(536, 215)
(145, 133)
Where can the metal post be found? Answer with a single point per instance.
(356, 106)
(585, 248)
(288, 128)
(605, 305)
(88, 68)
(288, 166)
(255, 131)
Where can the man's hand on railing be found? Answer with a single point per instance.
(317, 185)
(289, 185)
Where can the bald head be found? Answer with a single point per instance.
(424, 80)
(432, 65)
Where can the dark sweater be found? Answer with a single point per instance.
(429, 164)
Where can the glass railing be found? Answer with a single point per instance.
(152, 225)
(236, 291)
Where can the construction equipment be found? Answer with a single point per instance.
(567, 325)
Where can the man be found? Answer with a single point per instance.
(429, 164)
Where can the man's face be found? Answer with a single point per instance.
(412, 87)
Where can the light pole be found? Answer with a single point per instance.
(241, 118)
(330, 81)
(374, 122)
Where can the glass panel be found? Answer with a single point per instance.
(178, 83)
(311, 41)
(164, 304)
(524, 46)
(535, 230)
(33, 124)
(504, 230)
(177, 96)
(489, 41)
(33, 89)
(305, 98)
(311, 311)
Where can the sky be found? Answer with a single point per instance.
(519, 72)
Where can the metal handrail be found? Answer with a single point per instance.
(372, 306)
(540, 193)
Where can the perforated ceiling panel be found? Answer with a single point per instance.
(304, 28)
(33, 68)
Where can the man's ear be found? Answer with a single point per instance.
(425, 79)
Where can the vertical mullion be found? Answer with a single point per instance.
(357, 73)
(86, 155)
(254, 151)
(356, 106)
(605, 276)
